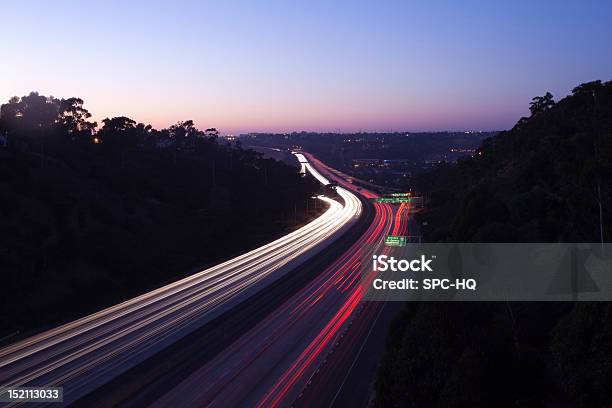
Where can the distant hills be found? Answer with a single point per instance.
(340, 149)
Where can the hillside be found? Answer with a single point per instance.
(545, 180)
(90, 218)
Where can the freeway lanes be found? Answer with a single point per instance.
(272, 363)
(346, 378)
(84, 354)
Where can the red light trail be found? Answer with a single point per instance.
(277, 394)
(272, 362)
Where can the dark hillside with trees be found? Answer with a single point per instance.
(88, 218)
(545, 180)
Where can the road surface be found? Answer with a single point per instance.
(273, 363)
(82, 355)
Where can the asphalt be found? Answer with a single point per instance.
(348, 376)
(145, 382)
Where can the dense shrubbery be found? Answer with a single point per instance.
(90, 218)
(544, 180)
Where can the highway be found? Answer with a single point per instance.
(87, 353)
(274, 362)
(347, 379)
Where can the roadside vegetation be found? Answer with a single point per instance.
(91, 215)
(548, 179)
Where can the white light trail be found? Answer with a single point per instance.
(88, 352)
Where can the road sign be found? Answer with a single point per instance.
(395, 240)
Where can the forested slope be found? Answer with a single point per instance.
(88, 217)
(546, 180)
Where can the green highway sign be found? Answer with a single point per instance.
(395, 240)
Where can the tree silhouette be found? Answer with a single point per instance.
(540, 104)
(211, 132)
(587, 87)
(33, 112)
(118, 132)
(103, 216)
(73, 117)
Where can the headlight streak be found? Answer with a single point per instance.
(239, 374)
(295, 374)
(85, 353)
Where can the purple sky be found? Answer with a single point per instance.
(284, 66)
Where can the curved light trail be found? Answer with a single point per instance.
(90, 351)
(272, 362)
